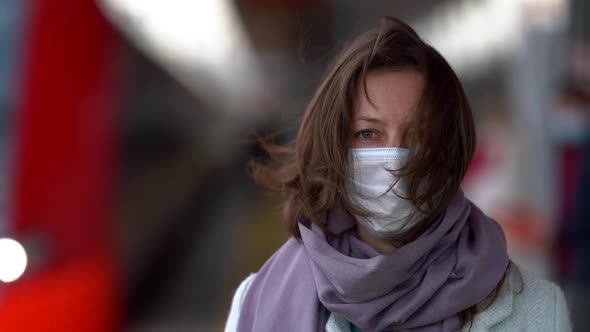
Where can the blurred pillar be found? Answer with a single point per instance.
(535, 75)
(534, 87)
(11, 23)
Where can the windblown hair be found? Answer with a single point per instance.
(312, 171)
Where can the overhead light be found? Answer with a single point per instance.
(201, 43)
(470, 34)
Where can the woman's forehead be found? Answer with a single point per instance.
(391, 95)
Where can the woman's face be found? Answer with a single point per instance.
(395, 95)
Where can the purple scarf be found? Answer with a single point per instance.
(422, 286)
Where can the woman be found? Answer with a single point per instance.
(382, 237)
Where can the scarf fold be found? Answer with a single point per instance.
(421, 286)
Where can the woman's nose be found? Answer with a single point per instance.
(393, 139)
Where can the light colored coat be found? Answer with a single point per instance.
(527, 304)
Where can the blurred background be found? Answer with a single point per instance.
(126, 127)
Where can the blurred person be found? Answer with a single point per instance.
(579, 283)
(579, 292)
(382, 236)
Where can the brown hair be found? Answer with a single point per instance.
(311, 171)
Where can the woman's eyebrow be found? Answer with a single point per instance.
(367, 118)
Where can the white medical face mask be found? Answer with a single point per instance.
(369, 187)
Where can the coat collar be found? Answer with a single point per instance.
(503, 305)
(337, 323)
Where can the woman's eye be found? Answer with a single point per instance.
(367, 134)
